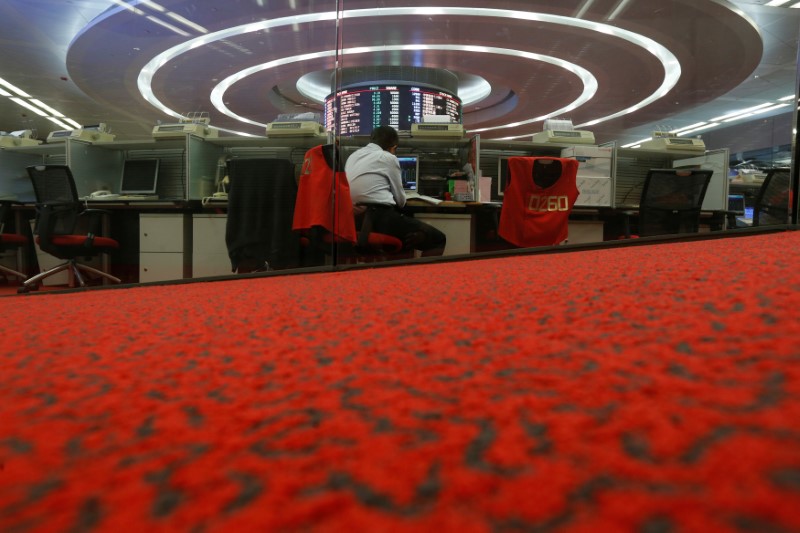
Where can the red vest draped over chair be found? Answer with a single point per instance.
(320, 203)
(538, 200)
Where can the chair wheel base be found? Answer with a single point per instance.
(24, 289)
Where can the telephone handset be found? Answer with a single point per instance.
(103, 194)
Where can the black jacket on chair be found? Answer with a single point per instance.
(261, 201)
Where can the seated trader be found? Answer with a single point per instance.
(375, 184)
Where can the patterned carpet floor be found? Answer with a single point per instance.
(649, 388)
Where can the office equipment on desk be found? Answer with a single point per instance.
(409, 171)
(94, 133)
(562, 131)
(139, 181)
(139, 178)
(58, 210)
(670, 202)
(740, 213)
(102, 195)
(295, 128)
(662, 140)
(414, 198)
(196, 123)
(18, 138)
(436, 129)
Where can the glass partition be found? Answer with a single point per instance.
(275, 91)
(621, 87)
(207, 92)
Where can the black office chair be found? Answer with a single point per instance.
(772, 203)
(671, 202)
(258, 232)
(10, 241)
(59, 215)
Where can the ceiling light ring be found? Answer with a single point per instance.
(668, 60)
(590, 84)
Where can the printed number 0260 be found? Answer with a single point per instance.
(540, 203)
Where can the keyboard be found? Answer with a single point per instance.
(119, 198)
(137, 197)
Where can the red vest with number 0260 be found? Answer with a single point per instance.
(537, 216)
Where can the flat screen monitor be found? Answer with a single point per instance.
(502, 176)
(139, 176)
(736, 204)
(409, 170)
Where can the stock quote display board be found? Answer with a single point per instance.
(363, 108)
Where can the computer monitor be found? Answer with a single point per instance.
(502, 175)
(409, 170)
(139, 176)
(736, 204)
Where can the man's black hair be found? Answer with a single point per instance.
(385, 137)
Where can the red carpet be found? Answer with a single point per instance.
(650, 388)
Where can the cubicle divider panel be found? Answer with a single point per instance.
(94, 168)
(632, 167)
(14, 181)
(204, 167)
(295, 154)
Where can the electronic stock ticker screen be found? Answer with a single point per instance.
(361, 109)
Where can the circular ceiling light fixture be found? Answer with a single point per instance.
(668, 60)
(589, 81)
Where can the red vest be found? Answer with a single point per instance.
(533, 215)
(318, 203)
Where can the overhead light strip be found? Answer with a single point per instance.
(28, 105)
(740, 112)
(162, 11)
(14, 89)
(33, 104)
(701, 128)
(695, 125)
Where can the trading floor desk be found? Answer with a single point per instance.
(166, 240)
(472, 227)
(162, 240)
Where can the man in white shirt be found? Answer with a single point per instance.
(376, 184)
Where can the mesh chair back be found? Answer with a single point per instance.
(53, 184)
(671, 201)
(772, 202)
